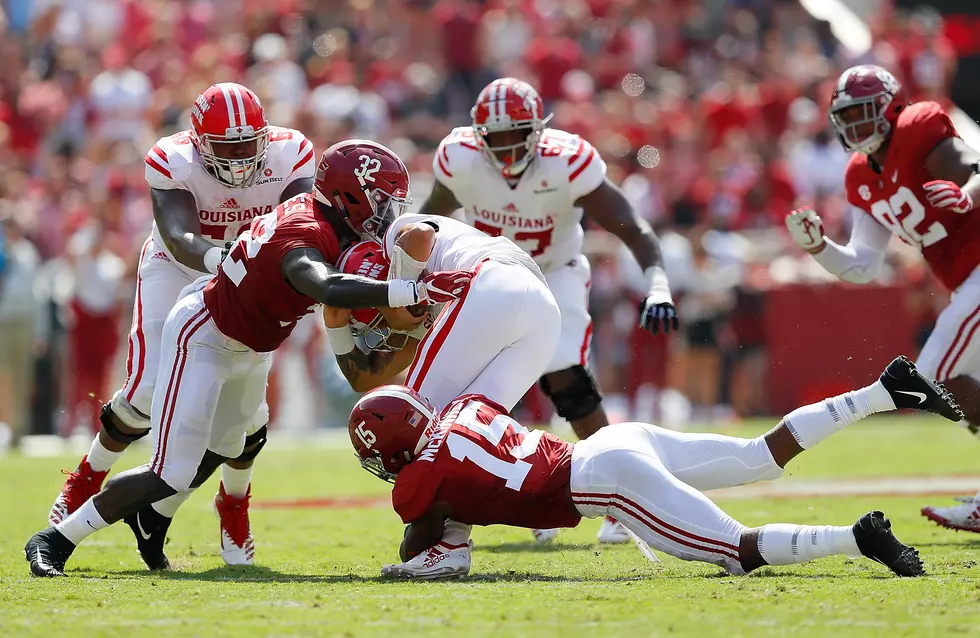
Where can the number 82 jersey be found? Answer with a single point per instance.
(539, 212)
(490, 470)
(896, 199)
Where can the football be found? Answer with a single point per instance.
(417, 310)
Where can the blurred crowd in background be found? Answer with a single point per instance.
(710, 114)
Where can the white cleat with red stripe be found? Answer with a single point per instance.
(237, 545)
(963, 517)
(81, 485)
(544, 536)
(439, 561)
(612, 532)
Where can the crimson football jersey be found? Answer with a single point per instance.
(490, 469)
(249, 298)
(896, 199)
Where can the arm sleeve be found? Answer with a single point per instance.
(860, 260)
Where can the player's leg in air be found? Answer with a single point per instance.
(650, 479)
(952, 355)
(216, 388)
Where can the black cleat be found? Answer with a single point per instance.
(47, 552)
(910, 389)
(150, 528)
(873, 533)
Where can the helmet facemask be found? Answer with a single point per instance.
(236, 172)
(378, 336)
(385, 208)
(860, 123)
(507, 157)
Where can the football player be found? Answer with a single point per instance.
(207, 184)
(515, 177)
(910, 175)
(474, 464)
(217, 342)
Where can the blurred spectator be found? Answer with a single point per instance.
(93, 323)
(20, 336)
(710, 113)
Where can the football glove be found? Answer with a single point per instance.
(806, 229)
(944, 194)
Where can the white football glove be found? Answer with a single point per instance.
(806, 229)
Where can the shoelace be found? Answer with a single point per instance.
(233, 519)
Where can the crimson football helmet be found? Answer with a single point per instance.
(230, 133)
(366, 183)
(389, 426)
(865, 106)
(366, 259)
(507, 105)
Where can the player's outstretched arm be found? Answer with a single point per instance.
(956, 186)
(609, 208)
(441, 201)
(859, 261)
(308, 272)
(175, 212)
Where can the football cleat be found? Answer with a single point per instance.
(150, 528)
(909, 389)
(439, 561)
(81, 485)
(47, 552)
(964, 517)
(873, 533)
(612, 531)
(544, 535)
(237, 546)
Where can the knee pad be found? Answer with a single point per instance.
(105, 416)
(126, 413)
(578, 399)
(253, 444)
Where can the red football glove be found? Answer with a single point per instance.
(944, 194)
(443, 287)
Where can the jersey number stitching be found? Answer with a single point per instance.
(247, 245)
(541, 238)
(461, 448)
(902, 213)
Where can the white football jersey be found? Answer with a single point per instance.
(539, 213)
(224, 212)
(460, 247)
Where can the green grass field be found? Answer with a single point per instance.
(317, 571)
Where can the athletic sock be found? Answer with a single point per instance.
(100, 458)
(84, 521)
(235, 481)
(785, 544)
(815, 422)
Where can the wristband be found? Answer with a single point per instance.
(341, 340)
(212, 259)
(402, 293)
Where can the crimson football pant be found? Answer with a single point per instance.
(649, 479)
